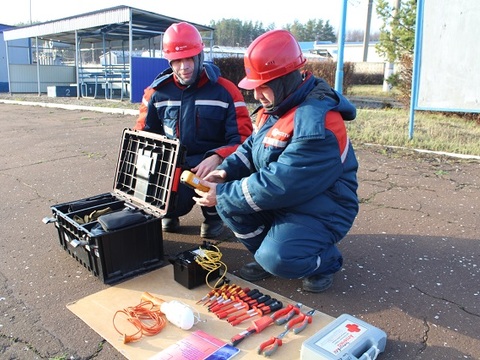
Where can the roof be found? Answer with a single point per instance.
(4, 27)
(107, 24)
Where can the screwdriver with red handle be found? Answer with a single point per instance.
(240, 306)
(262, 309)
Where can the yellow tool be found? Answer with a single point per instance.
(190, 179)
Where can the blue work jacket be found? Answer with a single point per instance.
(298, 161)
(209, 116)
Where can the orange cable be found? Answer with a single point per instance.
(146, 317)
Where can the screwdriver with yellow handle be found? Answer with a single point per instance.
(190, 179)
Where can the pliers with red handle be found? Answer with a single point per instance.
(260, 324)
(271, 345)
(295, 310)
(297, 324)
(300, 322)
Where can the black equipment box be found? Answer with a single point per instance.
(118, 235)
(187, 272)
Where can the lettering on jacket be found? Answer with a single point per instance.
(282, 131)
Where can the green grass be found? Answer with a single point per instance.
(372, 91)
(433, 131)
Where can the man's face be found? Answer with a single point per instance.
(265, 95)
(184, 69)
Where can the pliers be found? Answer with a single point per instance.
(295, 310)
(271, 345)
(297, 324)
(300, 322)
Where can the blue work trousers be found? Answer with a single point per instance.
(287, 245)
(184, 204)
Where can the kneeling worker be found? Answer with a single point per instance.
(289, 192)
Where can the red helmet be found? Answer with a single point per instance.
(271, 55)
(181, 41)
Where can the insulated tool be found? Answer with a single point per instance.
(212, 292)
(237, 307)
(299, 323)
(259, 300)
(271, 345)
(259, 325)
(222, 304)
(250, 313)
(236, 300)
(246, 297)
(294, 311)
(263, 310)
(190, 179)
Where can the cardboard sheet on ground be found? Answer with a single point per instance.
(98, 310)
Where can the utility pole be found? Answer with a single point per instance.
(366, 36)
(341, 46)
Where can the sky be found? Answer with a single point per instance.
(202, 12)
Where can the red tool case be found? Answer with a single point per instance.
(146, 179)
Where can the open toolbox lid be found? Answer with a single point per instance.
(148, 170)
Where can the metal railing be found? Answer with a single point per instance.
(95, 79)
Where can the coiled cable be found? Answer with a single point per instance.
(146, 317)
(210, 260)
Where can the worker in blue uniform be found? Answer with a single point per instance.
(191, 102)
(289, 192)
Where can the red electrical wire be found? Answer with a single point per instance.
(146, 317)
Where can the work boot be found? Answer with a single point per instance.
(211, 229)
(253, 272)
(317, 283)
(171, 225)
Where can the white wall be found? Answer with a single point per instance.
(23, 78)
(449, 71)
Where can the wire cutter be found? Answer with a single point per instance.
(271, 345)
(299, 323)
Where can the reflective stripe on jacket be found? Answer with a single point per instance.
(208, 117)
(299, 161)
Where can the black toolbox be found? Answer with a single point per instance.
(118, 235)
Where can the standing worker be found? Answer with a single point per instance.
(289, 193)
(192, 102)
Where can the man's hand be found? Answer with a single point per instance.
(216, 176)
(207, 165)
(209, 198)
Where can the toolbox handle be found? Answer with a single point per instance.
(76, 242)
(49, 220)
